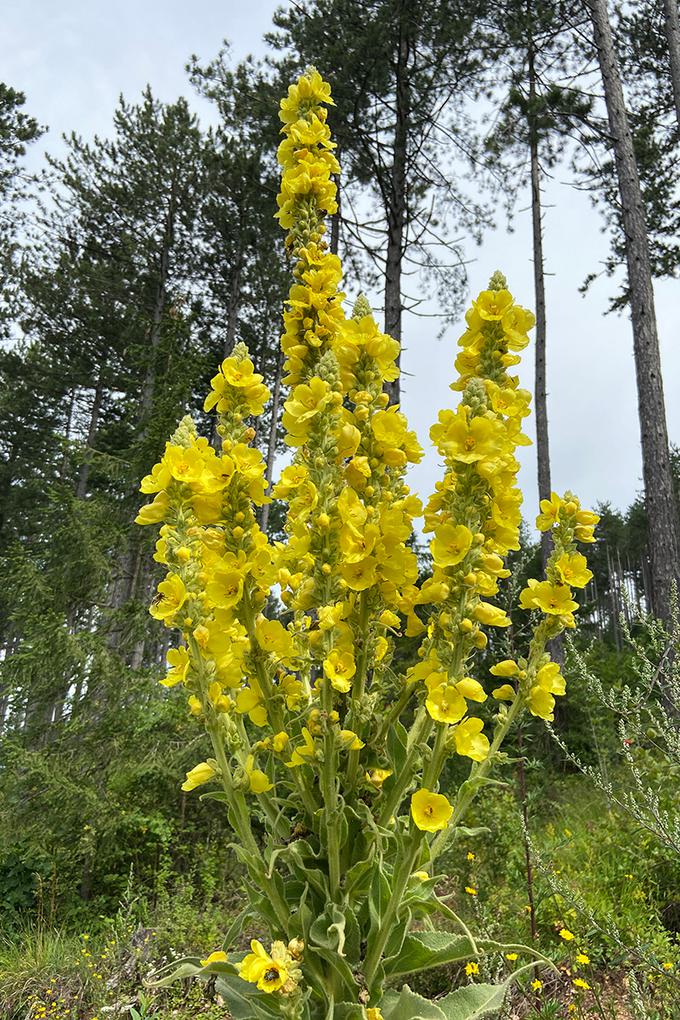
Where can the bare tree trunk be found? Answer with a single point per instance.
(672, 29)
(540, 396)
(158, 310)
(84, 474)
(656, 465)
(396, 211)
(271, 446)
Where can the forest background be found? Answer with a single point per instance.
(135, 252)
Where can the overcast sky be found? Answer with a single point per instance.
(74, 58)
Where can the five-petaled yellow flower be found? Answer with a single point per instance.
(430, 811)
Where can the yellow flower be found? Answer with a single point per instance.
(580, 983)
(582, 958)
(260, 969)
(511, 957)
(470, 741)
(471, 968)
(431, 811)
(217, 957)
(178, 660)
(667, 965)
(422, 876)
(171, 597)
(470, 890)
(491, 616)
(470, 856)
(450, 544)
(550, 512)
(350, 740)
(506, 668)
(504, 693)
(573, 569)
(445, 704)
(373, 1013)
(303, 752)
(468, 441)
(552, 599)
(258, 781)
(567, 935)
(198, 775)
(340, 667)
(376, 777)
(536, 985)
(492, 305)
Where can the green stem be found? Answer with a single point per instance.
(419, 732)
(395, 712)
(372, 961)
(329, 792)
(358, 687)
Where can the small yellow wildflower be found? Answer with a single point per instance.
(470, 890)
(580, 983)
(536, 985)
(511, 957)
(471, 968)
(582, 958)
(566, 935)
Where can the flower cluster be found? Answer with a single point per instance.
(288, 651)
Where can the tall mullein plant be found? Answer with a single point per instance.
(327, 761)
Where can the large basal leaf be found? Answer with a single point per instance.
(422, 950)
(244, 1001)
(411, 1006)
(348, 1011)
(473, 1002)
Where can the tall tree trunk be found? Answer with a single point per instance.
(672, 29)
(540, 396)
(656, 465)
(271, 446)
(149, 387)
(84, 473)
(396, 210)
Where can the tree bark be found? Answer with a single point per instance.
(396, 210)
(540, 396)
(84, 473)
(671, 24)
(659, 498)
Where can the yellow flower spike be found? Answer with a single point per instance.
(198, 775)
(430, 811)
